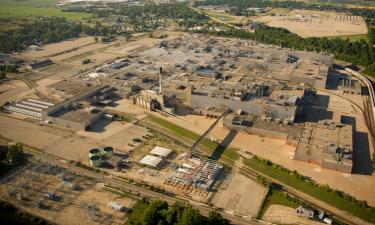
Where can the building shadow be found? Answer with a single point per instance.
(332, 80)
(100, 125)
(361, 150)
(315, 109)
(223, 145)
(183, 110)
(361, 154)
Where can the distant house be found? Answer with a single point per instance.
(40, 64)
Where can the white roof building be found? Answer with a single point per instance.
(160, 151)
(152, 161)
(115, 206)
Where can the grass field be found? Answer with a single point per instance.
(336, 199)
(226, 17)
(35, 8)
(352, 37)
(276, 197)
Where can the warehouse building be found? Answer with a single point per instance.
(328, 144)
(256, 100)
(160, 151)
(30, 108)
(80, 112)
(41, 64)
(349, 85)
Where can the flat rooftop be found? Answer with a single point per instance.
(326, 142)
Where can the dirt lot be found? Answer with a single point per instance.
(124, 105)
(98, 198)
(9, 90)
(51, 49)
(284, 215)
(66, 144)
(307, 23)
(241, 195)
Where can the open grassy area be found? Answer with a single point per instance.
(176, 129)
(275, 197)
(352, 37)
(216, 149)
(337, 199)
(277, 11)
(35, 8)
(33, 3)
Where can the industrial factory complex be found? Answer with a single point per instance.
(266, 90)
(115, 111)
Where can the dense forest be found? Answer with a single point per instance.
(359, 52)
(143, 18)
(139, 18)
(167, 11)
(160, 213)
(40, 30)
(157, 14)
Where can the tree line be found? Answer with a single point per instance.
(46, 30)
(160, 213)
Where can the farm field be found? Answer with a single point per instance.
(35, 8)
(306, 23)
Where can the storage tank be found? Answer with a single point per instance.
(94, 152)
(95, 161)
(108, 152)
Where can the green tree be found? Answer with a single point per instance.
(15, 154)
(2, 74)
(154, 212)
(191, 216)
(371, 35)
(214, 218)
(171, 215)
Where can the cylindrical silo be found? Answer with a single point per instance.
(95, 161)
(108, 152)
(94, 152)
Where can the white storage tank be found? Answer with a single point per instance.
(108, 152)
(94, 152)
(95, 161)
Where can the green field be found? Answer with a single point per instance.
(352, 37)
(337, 199)
(275, 197)
(35, 8)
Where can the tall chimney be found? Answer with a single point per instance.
(160, 80)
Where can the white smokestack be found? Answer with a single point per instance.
(160, 80)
